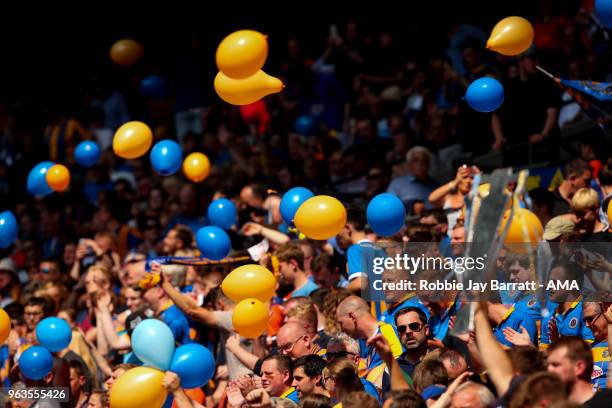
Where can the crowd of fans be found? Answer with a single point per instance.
(385, 120)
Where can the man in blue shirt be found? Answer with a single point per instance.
(291, 267)
(416, 185)
(516, 319)
(276, 377)
(165, 309)
(564, 307)
(598, 321)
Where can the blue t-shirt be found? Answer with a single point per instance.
(438, 325)
(305, 290)
(177, 321)
(569, 323)
(515, 319)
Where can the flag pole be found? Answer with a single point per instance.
(545, 72)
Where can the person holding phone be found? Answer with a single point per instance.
(451, 196)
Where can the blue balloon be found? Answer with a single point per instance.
(36, 362)
(213, 243)
(8, 229)
(53, 333)
(485, 94)
(386, 214)
(604, 12)
(154, 86)
(222, 213)
(292, 200)
(153, 343)
(37, 183)
(166, 157)
(194, 364)
(305, 125)
(87, 153)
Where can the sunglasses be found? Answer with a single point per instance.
(589, 320)
(414, 327)
(338, 354)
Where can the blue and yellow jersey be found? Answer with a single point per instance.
(528, 304)
(374, 365)
(514, 319)
(601, 361)
(438, 325)
(177, 321)
(569, 323)
(291, 394)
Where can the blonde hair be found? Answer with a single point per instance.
(585, 199)
(307, 314)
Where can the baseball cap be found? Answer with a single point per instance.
(7, 264)
(556, 227)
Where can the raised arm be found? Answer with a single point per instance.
(105, 325)
(496, 361)
(398, 382)
(186, 303)
(246, 358)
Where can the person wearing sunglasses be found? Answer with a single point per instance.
(412, 328)
(599, 320)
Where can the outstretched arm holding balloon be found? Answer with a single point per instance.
(276, 237)
(187, 304)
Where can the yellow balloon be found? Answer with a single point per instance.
(248, 90)
(320, 217)
(132, 140)
(525, 227)
(196, 167)
(126, 52)
(249, 281)
(511, 36)
(250, 318)
(138, 387)
(5, 325)
(609, 213)
(58, 177)
(242, 53)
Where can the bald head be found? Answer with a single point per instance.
(472, 395)
(354, 318)
(352, 304)
(290, 330)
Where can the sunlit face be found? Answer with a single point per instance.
(302, 383)
(559, 363)
(32, 315)
(413, 332)
(272, 378)
(133, 299)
